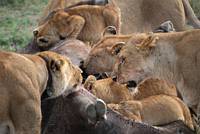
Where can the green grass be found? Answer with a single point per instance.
(17, 22)
(19, 17)
(196, 6)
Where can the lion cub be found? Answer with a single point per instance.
(155, 110)
(114, 92)
(154, 101)
(153, 86)
(23, 79)
(107, 89)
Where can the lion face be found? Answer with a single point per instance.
(99, 61)
(108, 90)
(65, 77)
(134, 61)
(101, 57)
(130, 65)
(59, 25)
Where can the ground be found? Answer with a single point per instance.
(17, 22)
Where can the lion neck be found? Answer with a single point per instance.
(162, 62)
(48, 78)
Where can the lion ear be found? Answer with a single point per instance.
(73, 25)
(109, 30)
(115, 49)
(148, 43)
(56, 65)
(89, 82)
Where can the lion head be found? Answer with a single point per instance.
(64, 77)
(101, 57)
(133, 59)
(108, 90)
(59, 25)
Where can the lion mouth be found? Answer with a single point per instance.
(42, 40)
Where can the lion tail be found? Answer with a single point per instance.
(190, 15)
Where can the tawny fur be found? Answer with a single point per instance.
(173, 57)
(23, 79)
(86, 23)
(100, 58)
(145, 15)
(113, 92)
(155, 110)
(107, 90)
(153, 86)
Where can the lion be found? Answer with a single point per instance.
(102, 58)
(23, 80)
(155, 110)
(61, 4)
(153, 86)
(107, 90)
(145, 15)
(86, 23)
(173, 57)
(113, 92)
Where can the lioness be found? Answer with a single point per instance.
(102, 57)
(23, 79)
(82, 22)
(171, 56)
(146, 15)
(155, 110)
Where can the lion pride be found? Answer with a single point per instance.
(23, 79)
(145, 15)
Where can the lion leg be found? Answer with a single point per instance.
(79, 23)
(196, 120)
(26, 117)
(112, 18)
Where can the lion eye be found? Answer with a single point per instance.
(122, 60)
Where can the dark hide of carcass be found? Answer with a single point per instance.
(63, 115)
(31, 48)
(73, 49)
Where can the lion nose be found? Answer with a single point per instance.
(112, 29)
(132, 84)
(81, 65)
(35, 32)
(43, 40)
(114, 78)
